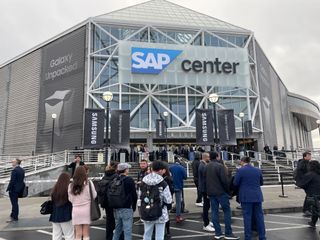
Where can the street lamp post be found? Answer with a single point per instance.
(107, 96)
(241, 115)
(214, 98)
(166, 114)
(53, 116)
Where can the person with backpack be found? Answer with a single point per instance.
(102, 190)
(155, 196)
(122, 197)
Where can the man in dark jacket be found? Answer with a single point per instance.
(15, 187)
(203, 190)
(179, 174)
(218, 191)
(76, 163)
(110, 174)
(310, 182)
(195, 168)
(124, 215)
(302, 169)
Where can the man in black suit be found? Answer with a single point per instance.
(15, 187)
(76, 163)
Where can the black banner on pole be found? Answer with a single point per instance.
(120, 129)
(204, 127)
(227, 130)
(160, 129)
(93, 128)
(248, 128)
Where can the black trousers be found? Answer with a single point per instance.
(205, 209)
(199, 196)
(110, 223)
(15, 206)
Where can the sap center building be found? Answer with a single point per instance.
(154, 57)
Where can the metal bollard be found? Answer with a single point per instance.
(282, 188)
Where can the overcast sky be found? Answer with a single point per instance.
(287, 30)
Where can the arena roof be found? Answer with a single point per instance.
(165, 13)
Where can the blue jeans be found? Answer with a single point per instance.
(223, 200)
(123, 218)
(178, 196)
(148, 230)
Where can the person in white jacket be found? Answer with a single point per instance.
(152, 185)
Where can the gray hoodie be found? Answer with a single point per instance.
(154, 179)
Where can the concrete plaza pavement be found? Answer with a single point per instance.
(30, 217)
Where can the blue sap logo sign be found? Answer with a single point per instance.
(151, 60)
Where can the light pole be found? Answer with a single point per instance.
(53, 116)
(166, 114)
(107, 96)
(241, 115)
(214, 98)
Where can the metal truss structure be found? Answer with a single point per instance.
(104, 59)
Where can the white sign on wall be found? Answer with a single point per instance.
(183, 64)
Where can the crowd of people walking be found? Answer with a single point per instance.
(154, 190)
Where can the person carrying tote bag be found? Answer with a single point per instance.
(61, 210)
(95, 212)
(80, 197)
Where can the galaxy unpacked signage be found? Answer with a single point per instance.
(183, 64)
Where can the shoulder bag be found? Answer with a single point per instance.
(95, 212)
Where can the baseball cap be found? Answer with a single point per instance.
(123, 166)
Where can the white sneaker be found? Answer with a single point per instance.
(211, 224)
(200, 204)
(208, 228)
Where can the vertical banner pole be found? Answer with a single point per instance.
(107, 162)
(215, 126)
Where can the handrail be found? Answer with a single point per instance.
(33, 164)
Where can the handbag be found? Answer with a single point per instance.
(46, 207)
(95, 212)
(24, 192)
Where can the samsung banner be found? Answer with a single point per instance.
(183, 64)
(120, 129)
(227, 130)
(160, 129)
(247, 128)
(94, 129)
(204, 127)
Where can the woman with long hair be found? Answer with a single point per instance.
(79, 196)
(62, 208)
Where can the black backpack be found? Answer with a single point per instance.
(116, 193)
(151, 203)
(102, 192)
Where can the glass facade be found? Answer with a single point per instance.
(147, 102)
